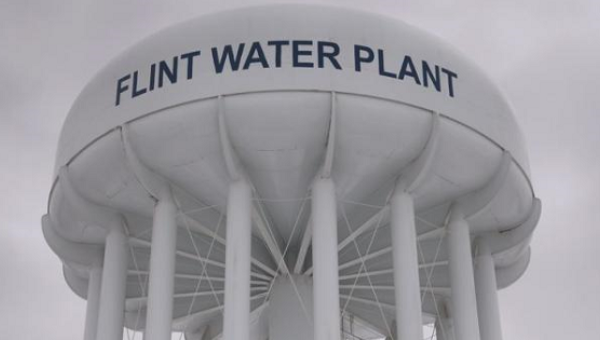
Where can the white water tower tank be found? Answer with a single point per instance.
(290, 171)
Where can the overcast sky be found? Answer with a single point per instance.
(544, 54)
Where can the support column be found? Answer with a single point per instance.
(326, 300)
(93, 302)
(462, 284)
(409, 323)
(112, 293)
(162, 270)
(487, 296)
(237, 262)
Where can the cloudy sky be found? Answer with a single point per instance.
(543, 54)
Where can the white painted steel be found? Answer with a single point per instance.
(93, 302)
(462, 284)
(326, 301)
(162, 270)
(277, 128)
(237, 266)
(303, 250)
(486, 290)
(476, 102)
(406, 271)
(112, 292)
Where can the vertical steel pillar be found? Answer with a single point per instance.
(326, 300)
(409, 324)
(487, 296)
(462, 283)
(112, 293)
(93, 302)
(162, 270)
(237, 262)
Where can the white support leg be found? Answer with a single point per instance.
(112, 293)
(487, 296)
(237, 262)
(162, 270)
(93, 302)
(409, 324)
(462, 283)
(326, 301)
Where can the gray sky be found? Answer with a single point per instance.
(544, 55)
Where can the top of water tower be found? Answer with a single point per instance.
(290, 47)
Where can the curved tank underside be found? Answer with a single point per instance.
(280, 140)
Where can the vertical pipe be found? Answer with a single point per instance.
(162, 270)
(487, 296)
(112, 293)
(326, 302)
(409, 324)
(93, 302)
(237, 262)
(462, 284)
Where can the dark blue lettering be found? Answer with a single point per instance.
(256, 55)
(382, 71)
(296, 53)
(359, 58)
(190, 62)
(121, 88)
(429, 75)
(152, 77)
(135, 91)
(450, 75)
(227, 56)
(408, 69)
(278, 47)
(165, 70)
(331, 55)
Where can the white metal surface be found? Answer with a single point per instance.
(486, 290)
(275, 129)
(462, 284)
(406, 271)
(112, 293)
(162, 270)
(237, 271)
(93, 302)
(326, 302)
(477, 101)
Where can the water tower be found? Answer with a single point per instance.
(291, 172)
